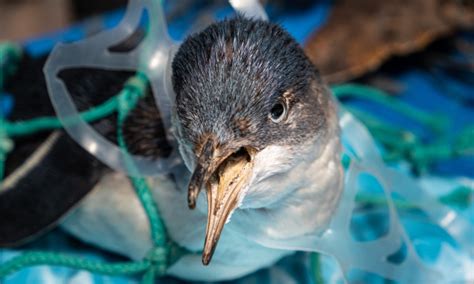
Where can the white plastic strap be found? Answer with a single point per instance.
(152, 56)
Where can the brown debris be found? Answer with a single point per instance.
(361, 34)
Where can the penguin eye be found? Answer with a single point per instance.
(278, 112)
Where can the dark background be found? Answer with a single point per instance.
(22, 19)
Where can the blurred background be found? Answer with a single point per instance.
(22, 19)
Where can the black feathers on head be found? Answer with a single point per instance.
(228, 77)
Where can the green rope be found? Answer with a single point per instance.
(316, 268)
(461, 197)
(400, 143)
(22, 128)
(27, 259)
(436, 123)
(134, 91)
(10, 55)
(464, 142)
(6, 145)
(159, 254)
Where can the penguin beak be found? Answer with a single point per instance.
(225, 172)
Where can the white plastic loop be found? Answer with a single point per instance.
(94, 52)
(249, 8)
(152, 56)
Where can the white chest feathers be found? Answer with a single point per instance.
(285, 200)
